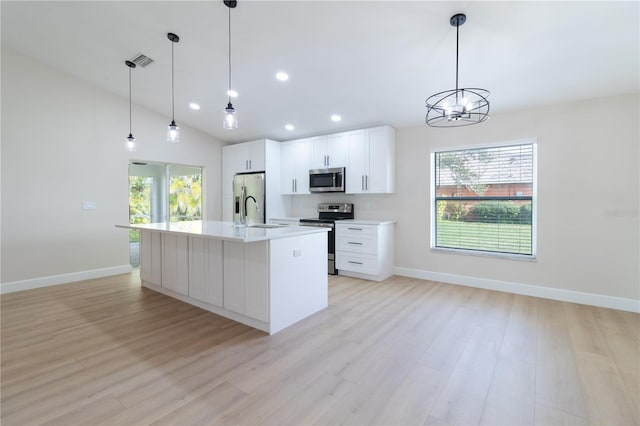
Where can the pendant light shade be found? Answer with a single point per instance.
(457, 107)
(230, 121)
(173, 131)
(130, 143)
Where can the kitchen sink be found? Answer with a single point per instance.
(266, 225)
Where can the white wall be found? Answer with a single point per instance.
(62, 142)
(588, 197)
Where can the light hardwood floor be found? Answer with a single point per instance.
(403, 351)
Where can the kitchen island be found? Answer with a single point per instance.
(265, 277)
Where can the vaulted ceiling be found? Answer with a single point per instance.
(372, 62)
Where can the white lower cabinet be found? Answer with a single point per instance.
(175, 264)
(205, 270)
(246, 279)
(365, 250)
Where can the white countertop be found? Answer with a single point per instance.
(285, 219)
(365, 222)
(226, 230)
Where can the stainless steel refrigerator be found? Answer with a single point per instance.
(248, 198)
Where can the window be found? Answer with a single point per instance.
(158, 191)
(484, 199)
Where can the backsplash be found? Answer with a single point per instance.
(366, 207)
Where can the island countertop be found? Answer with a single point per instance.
(226, 230)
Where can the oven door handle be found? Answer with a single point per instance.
(317, 225)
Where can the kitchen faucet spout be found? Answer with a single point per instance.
(245, 207)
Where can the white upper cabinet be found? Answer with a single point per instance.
(295, 163)
(329, 151)
(371, 161)
(241, 158)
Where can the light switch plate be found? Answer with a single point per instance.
(88, 205)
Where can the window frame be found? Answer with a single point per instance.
(534, 202)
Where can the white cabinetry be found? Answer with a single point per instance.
(205, 270)
(246, 279)
(247, 157)
(329, 151)
(151, 257)
(295, 164)
(175, 265)
(371, 161)
(365, 250)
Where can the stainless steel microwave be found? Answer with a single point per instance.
(326, 180)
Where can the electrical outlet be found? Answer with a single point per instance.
(297, 252)
(88, 205)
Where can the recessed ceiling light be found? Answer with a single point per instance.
(232, 93)
(194, 106)
(289, 126)
(282, 76)
(336, 118)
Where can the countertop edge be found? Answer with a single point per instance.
(305, 230)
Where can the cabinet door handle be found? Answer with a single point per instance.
(355, 263)
(249, 164)
(328, 160)
(366, 182)
(354, 243)
(246, 164)
(362, 182)
(293, 185)
(354, 229)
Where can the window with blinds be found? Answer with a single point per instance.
(484, 199)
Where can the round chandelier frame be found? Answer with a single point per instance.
(460, 106)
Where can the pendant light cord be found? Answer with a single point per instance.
(229, 90)
(173, 118)
(129, 100)
(457, 44)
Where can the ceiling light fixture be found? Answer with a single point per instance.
(289, 126)
(194, 106)
(131, 140)
(282, 76)
(336, 118)
(230, 119)
(458, 107)
(173, 131)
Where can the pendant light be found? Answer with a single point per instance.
(173, 131)
(457, 107)
(131, 140)
(230, 118)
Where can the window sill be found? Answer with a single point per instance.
(510, 256)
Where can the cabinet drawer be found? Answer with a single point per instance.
(365, 264)
(357, 243)
(367, 231)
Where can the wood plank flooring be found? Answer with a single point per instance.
(404, 351)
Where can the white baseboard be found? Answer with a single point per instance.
(29, 284)
(619, 303)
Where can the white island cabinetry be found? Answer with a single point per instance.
(267, 278)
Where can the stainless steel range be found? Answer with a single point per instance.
(328, 213)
